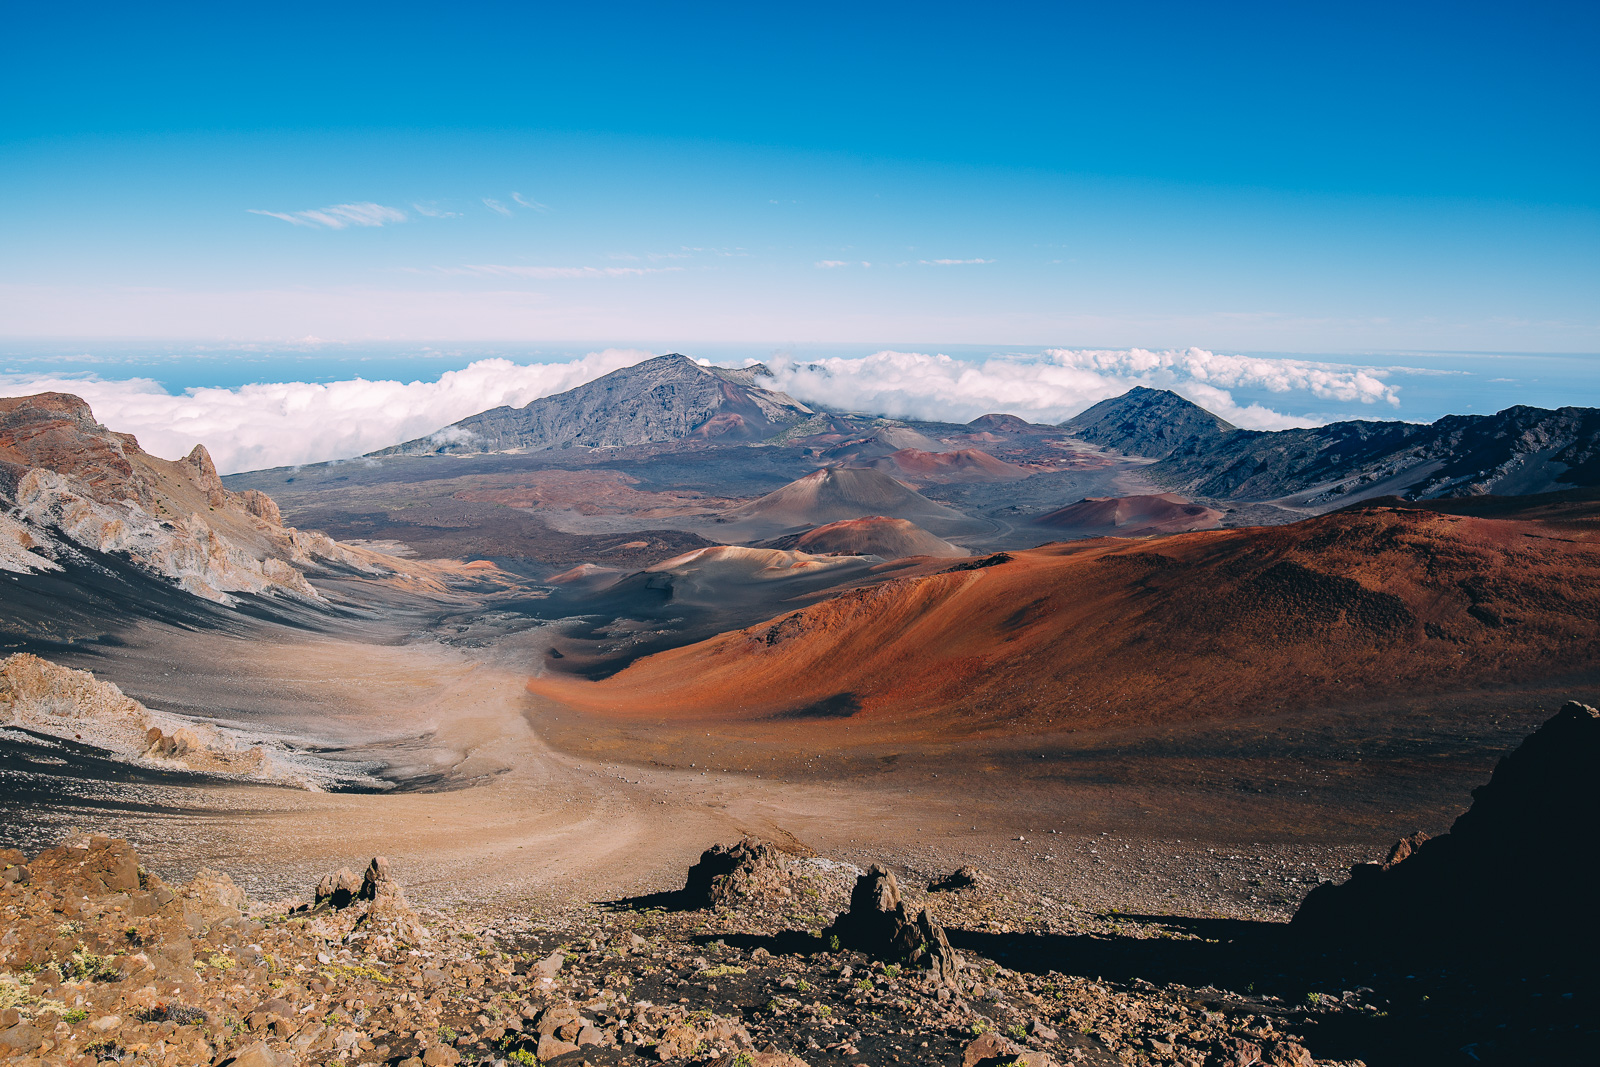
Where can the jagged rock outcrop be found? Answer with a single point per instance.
(879, 923)
(47, 698)
(66, 482)
(1518, 852)
(726, 874)
(669, 398)
(386, 908)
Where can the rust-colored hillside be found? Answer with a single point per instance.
(1353, 607)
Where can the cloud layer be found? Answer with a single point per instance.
(288, 423)
(1060, 382)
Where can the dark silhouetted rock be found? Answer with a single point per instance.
(726, 873)
(961, 878)
(879, 924)
(1520, 851)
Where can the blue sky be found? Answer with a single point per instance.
(1296, 178)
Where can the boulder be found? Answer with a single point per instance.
(727, 873)
(550, 1047)
(259, 1054)
(757, 1059)
(89, 867)
(879, 924)
(23, 1037)
(338, 888)
(1512, 855)
(960, 878)
(989, 1050)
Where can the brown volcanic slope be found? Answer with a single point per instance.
(1349, 608)
(963, 465)
(835, 493)
(874, 536)
(64, 476)
(1132, 516)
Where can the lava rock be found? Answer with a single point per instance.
(1512, 855)
(727, 873)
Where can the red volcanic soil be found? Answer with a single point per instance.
(875, 536)
(964, 465)
(1131, 516)
(1347, 609)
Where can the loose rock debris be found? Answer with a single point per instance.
(103, 962)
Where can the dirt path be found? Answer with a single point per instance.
(522, 800)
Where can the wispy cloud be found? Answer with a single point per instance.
(338, 216)
(496, 206)
(500, 270)
(532, 205)
(952, 262)
(434, 211)
(829, 264)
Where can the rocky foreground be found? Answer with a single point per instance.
(767, 959)
(104, 962)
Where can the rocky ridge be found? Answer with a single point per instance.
(669, 398)
(48, 700)
(1518, 451)
(69, 484)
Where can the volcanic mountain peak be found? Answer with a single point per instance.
(876, 535)
(996, 423)
(669, 398)
(1149, 422)
(69, 481)
(961, 465)
(834, 493)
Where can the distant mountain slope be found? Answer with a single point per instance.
(1364, 604)
(1516, 451)
(835, 493)
(997, 423)
(669, 398)
(871, 536)
(1150, 422)
(1131, 516)
(962, 465)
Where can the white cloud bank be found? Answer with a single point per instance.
(1060, 382)
(288, 423)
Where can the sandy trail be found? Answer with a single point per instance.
(509, 818)
(525, 801)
